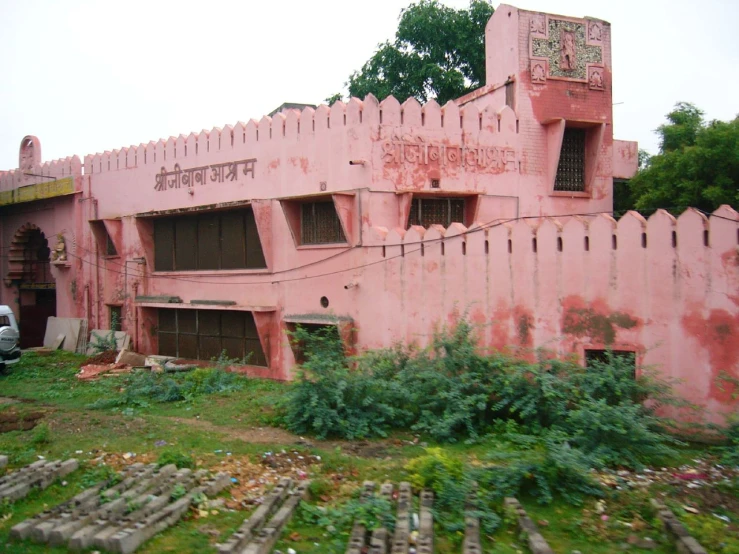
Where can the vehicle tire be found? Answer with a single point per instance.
(2, 368)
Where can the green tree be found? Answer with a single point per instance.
(438, 52)
(698, 165)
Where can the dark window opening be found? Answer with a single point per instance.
(115, 318)
(211, 240)
(320, 224)
(601, 356)
(329, 332)
(4, 321)
(571, 168)
(206, 334)
(436, 211)
(109, 246)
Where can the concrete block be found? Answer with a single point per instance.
(3, 462)
(130, 358)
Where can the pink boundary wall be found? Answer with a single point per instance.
(536, 269)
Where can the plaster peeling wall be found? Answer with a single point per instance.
(668, 290)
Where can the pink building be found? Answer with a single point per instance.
(387, 220)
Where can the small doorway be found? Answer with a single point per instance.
(37, 289)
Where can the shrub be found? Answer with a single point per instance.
(427, 472)
(331, 399)
(620, 434)
(41, 435)
(142, 388)
(450, 391)
(454, 489)
(554, 467)
(177, 458)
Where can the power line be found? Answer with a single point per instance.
(485, 226)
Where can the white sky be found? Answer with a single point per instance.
(87, 76)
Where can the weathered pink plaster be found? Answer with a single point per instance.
(534, 268)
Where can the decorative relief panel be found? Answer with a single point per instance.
(539, 71)
(539, 25)
(595, 31)
(595, 77)
(569, 47)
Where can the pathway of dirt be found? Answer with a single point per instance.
(274, 435)
(257, 435)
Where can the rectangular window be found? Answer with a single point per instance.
(571, 168)
(320, 224)
(4, 321)
(436, 211)
(115, 318)
(627, 356)
(110, 246)
(211, 240)
(298, 347)
(205, 334)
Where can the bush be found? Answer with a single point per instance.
(330, 399)
(177, 458)
(555, 467)
(41, 435)
(620, 434)
(143, 387)
(455, 491)
(450, 391)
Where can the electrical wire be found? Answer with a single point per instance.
(483, 227)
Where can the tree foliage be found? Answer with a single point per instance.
(698, 164)
(438, 52)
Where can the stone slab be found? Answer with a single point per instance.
(122, 339)
(67, 326)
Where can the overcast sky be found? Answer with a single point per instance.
(88, 76)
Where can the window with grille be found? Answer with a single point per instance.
(571, 168)
(436, 211)
(210, 240)
(205, 334)
(320, 224)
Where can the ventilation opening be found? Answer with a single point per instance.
(510, 246)
(559, 244)
(643, 240)
(487, 247)
(534, 246)
(674, 239)
(706, 239)
(587, 244)
(614, 242)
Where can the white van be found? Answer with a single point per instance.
(10, 351)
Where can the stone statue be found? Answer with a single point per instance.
(567, 60)
(59, 254)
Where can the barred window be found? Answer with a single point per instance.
(436, 211)
(320, 224)
(210, 240)
(206, 334)
(571, 168)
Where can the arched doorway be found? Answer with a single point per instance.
(30, 268)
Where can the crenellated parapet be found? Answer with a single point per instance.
(583, 231)
(308, 125)
(56, 169)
